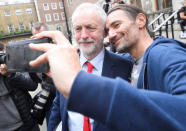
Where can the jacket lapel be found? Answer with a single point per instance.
(64, 114)
(107, 69)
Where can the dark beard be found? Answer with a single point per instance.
(124, 50)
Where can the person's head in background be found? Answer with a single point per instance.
(1, 47)
(88, 22)
(39, 27)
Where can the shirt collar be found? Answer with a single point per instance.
(139, 60)
(95, 61)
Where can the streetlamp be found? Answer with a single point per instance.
(66, 21)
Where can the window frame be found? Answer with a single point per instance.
(31, 25)
(28, 10)
(56, 14)
(7, 13)
(12, 28)
(46, 18)
(21, 27)
(61, 6)
(62, 15)
(18, 12)
(54, 7)
(164, 2)
(47, 7)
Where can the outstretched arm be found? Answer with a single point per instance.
(114, 102)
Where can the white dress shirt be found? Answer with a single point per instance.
(76, 120)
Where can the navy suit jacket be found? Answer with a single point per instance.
(124, 108)
(113, 66)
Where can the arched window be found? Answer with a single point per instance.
(162, 4)
(136, 3)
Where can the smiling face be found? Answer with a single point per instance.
(89, 32)
(122, 31)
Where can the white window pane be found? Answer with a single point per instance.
(62, 15)
(48, 17)
(28, 10)
(7, 13)
(45, 7)
(61, 5)
(31, 25)
(18, 12)
(54, 6)
(56, 16)
(10, 28)
(21, 27)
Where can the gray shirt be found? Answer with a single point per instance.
(10, 119)
(136, 71)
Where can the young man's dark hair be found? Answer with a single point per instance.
(131, 11)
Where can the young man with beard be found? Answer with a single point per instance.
(88, 23)
(122, 107)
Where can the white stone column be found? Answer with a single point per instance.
(177, 4)
(148, 5)
(37, 10)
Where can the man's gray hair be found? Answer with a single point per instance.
(91, 6)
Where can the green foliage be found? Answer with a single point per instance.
(16, 29)
(1, 32)
(17, 32)
(27, 28)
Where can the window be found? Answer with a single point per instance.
(62, 15)
(28, 10)
(161, 4)
(18, 12)
(54, 6)
(7, 13)
(136, 3)
(61, 5)
(69, 2)
(48, 17)
(45, 7)
(10, 28)
(31, 25)
(56, 16)
(21, 27)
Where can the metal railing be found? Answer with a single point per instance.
(163, 21)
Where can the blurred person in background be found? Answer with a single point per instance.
(15, 100)
(182, 20)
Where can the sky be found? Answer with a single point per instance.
(2, 2)
(14, 0)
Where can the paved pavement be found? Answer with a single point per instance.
(176, 36)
